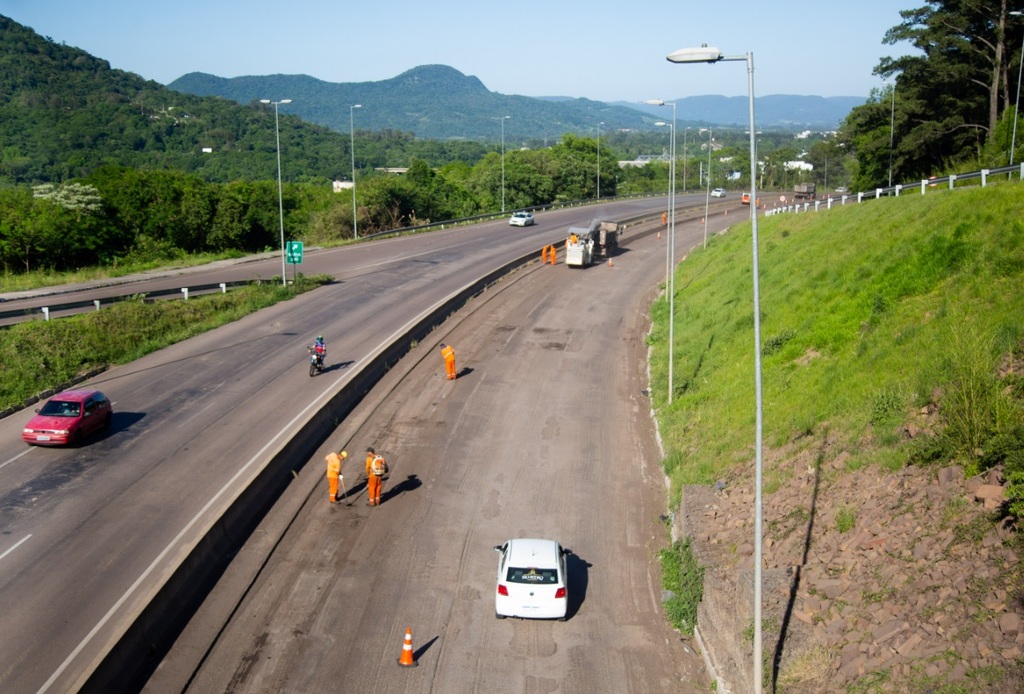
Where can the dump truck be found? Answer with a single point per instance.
(608, 239)
(803, 191)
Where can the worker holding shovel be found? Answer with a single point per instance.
(334, 474)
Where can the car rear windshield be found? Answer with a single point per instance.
(61, 409)
(532, 575)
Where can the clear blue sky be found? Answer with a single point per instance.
(603, 50)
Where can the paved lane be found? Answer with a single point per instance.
(546, 433)
(89, 534)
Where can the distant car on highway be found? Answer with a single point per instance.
(521, 219)
(532, 581)
(718, 193)
(68, 417)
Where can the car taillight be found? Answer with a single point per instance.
(560, 593)
(502, 590)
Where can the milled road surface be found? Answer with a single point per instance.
(546, 433)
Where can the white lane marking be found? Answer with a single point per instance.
(16, 545)
(11, 460)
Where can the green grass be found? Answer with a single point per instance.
(866, 311)
(40, 355)
(140, 262)
(684, 577)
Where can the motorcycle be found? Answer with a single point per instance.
(316, 362)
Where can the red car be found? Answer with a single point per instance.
(68, 418)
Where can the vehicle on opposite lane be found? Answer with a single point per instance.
(521, 219)
(718, 193)
(68, 417)
(532, 581)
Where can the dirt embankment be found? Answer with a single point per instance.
(896, 580)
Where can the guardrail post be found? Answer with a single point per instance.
(223, 288)
(96, 303)
(46, 313)
(984, 177)
(898, 189)
(952, 180)
(924, 185)
(184, 290)
(1020, 174)
(860, 197)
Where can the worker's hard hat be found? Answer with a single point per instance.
(443, 345)
(344, 454)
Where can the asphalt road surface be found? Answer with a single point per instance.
(546, 433)
(88, 534)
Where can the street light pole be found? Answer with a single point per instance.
(280, 202)
(713, 55)
(670, 251)
(503, 119)
(1016, 102)
(599, 159)
(685, 131)
(892, 130)
(352, 151)
(707, 189)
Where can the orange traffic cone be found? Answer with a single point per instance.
(609, 262)
(406, 659)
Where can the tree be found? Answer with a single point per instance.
(948, 98)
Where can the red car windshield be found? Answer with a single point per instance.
(56, 408)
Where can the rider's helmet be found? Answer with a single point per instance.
(319, 338)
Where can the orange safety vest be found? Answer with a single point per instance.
(333, 465)
(448, 352)
(375, 465)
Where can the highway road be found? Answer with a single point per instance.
(546, 433)
(90, 534)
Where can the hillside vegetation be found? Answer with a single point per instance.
(870, 313)
(893, 354)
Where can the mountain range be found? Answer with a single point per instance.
(439, 102)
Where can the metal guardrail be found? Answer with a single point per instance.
(895, 191)
(490, 216)
(164, 294)
(160, 294)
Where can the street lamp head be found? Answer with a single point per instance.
(285, 101)
(662, 123)
(357, 105)
(655, 102)
(264, 101)
(704, 54)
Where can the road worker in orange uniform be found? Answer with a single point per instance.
(376, 468)
(334, 472)
(449, 360)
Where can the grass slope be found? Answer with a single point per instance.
(868, 312)
(41, 355)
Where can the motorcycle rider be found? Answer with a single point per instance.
(319, 349)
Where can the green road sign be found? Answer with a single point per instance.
(293, 252)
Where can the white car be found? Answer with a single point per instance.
(532, 582)
(521, 219)
(718, 193)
